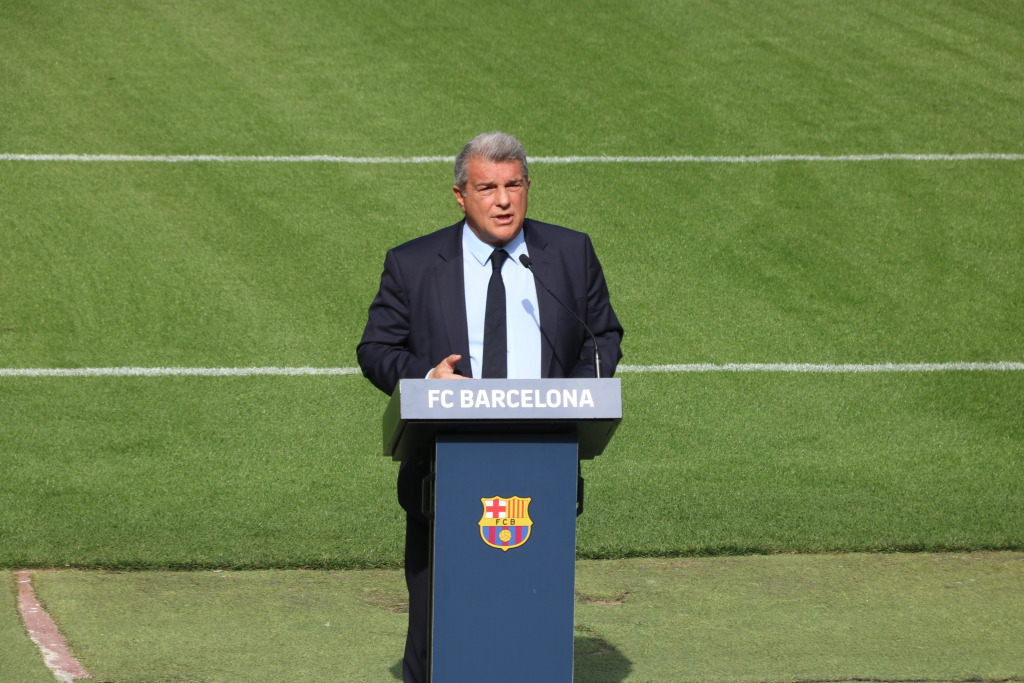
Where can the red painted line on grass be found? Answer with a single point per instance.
(45, 634)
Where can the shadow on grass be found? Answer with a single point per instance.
(595, 660)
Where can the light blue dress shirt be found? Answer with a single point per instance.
(520, 304)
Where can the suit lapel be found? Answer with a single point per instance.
(452, 297)
(544, 266)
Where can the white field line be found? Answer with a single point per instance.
(172, 372)
(207, 158)
(826, 367)
(622, 369)
(681, 159)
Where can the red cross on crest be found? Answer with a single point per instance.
(505, 522)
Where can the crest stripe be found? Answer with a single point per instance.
(505, 522)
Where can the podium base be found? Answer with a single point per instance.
(504, 558)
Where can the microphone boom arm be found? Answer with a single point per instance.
(528, 264)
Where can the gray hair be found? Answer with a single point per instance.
(495, 147)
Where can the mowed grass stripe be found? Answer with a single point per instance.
(697, 77)
(690, 367)
(255, 472)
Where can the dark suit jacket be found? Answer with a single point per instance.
(418, 317)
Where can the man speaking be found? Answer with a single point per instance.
(460, 303)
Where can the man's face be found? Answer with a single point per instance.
(494, 199)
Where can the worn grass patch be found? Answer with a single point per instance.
(803, 617)
(887, 617)
(231, 626)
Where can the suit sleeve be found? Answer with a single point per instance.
(385, 351)
(602, 321)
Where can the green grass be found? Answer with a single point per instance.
(803, 617)
(597, 77)
(236, 473)
(19, 658)
(779, 618)
(287, 472)
(275, 265)
(247, 626)
(897, 262)
(740, 463)
(242, 264)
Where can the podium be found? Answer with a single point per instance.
(504, 456)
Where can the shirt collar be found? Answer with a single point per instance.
(481, 251)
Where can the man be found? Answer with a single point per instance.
(438, 314)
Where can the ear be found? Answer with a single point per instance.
(459, 197)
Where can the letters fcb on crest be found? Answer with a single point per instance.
(505, 522)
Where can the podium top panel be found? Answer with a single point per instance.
(500, 406)
(510, 399)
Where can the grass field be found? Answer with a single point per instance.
(882, 617)
(234, 264)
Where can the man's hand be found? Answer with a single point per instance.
(446, 368)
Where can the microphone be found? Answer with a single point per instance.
(525, 260)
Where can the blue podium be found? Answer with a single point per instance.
(504, 457)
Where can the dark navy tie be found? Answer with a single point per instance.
(495, 332)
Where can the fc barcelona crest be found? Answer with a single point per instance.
(506, 522)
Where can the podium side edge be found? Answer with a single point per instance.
(391, 424)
